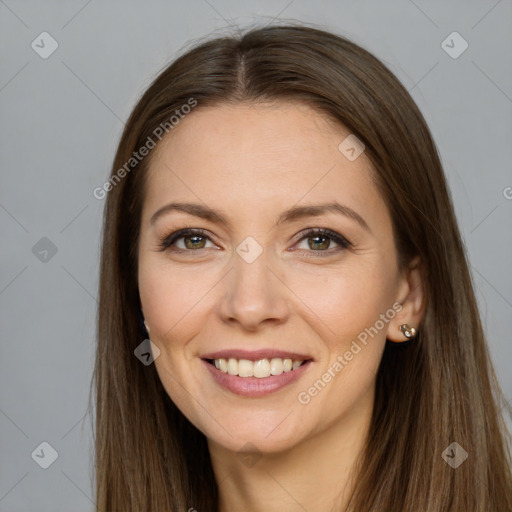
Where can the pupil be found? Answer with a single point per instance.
(193, 244)
(326, 241)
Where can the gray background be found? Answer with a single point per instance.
(62, 118)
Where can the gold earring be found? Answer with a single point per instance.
(408, 331)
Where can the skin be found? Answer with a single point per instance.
(236, 158)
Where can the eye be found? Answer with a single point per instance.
(317, 240)
(320, 241)
(192, 239)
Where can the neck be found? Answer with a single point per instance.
(316, 474)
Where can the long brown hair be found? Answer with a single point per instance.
(438, 389)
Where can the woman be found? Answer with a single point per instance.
(287, 320)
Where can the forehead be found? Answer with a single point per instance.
(253, 155)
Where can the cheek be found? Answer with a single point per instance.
(171, 301)
(347, 301)
(168, 297)
(352, 310)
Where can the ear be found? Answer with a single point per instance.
(142, 319)
(411, 297)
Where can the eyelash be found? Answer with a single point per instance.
(342, 242)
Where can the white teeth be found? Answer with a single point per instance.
(276, 366)
(245, 368)
(260, 369)
(232, 366)
(223, 365)
(296, 364)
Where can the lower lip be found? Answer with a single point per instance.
(252, 386)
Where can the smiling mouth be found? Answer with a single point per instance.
(260, 369)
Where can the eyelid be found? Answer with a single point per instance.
(339, 239)
(170, 239)
(342, 242)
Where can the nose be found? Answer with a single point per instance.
(254, 294)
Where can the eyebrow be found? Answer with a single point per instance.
(293, 214)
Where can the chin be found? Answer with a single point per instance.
(274, 431)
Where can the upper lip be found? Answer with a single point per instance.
(256, 355)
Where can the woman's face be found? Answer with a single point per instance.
(257, 286)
